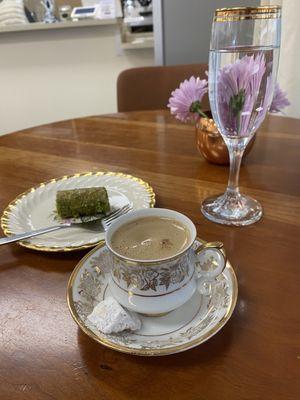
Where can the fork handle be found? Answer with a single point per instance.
(26, 235)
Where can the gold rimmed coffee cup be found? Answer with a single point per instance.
(160, 285)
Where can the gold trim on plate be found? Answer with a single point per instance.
(147, 352)
(8, 210)
(242, 13)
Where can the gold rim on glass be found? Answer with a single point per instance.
(147, 352)
(243, 13)
(5, 219)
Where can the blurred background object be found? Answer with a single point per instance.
(64, 12)
(12, 12)
(37, 8)
(137, 25)
(49, 17)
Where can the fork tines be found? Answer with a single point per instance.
(123, 210)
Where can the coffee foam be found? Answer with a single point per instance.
(150, 238)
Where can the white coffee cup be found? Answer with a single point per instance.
(159, 286)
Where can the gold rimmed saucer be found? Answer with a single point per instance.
(35, 209)
(188, 326)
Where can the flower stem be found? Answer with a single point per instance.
(238, 123)
(196, 108)
(202, 113)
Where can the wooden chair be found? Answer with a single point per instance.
(149, 88)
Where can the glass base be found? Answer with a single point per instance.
(232, 209)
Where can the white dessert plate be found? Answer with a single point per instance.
(35, 209)
(188, 326)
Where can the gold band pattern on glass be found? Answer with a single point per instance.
(243, 13)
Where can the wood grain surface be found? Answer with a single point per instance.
(44, 356)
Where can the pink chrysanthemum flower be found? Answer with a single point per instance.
(238, 90)
(185, 101)
(279, 101)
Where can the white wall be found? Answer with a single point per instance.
(47, 76)
(288, 73)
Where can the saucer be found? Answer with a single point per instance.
(186, 327)
(36, 209)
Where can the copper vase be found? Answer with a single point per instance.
(211, 144)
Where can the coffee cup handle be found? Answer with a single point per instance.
(210, 260)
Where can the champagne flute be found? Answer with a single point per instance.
(243, 63)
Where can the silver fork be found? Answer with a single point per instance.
(105, 222)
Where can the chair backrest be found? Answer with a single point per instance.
(149, 88)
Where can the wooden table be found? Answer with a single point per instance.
(43, 355)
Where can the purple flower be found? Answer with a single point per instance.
(237, 93)
(274, 101)
(185, 101)
(279, 101)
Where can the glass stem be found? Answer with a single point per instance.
(236, 152)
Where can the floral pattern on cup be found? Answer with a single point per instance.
(152, 278)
